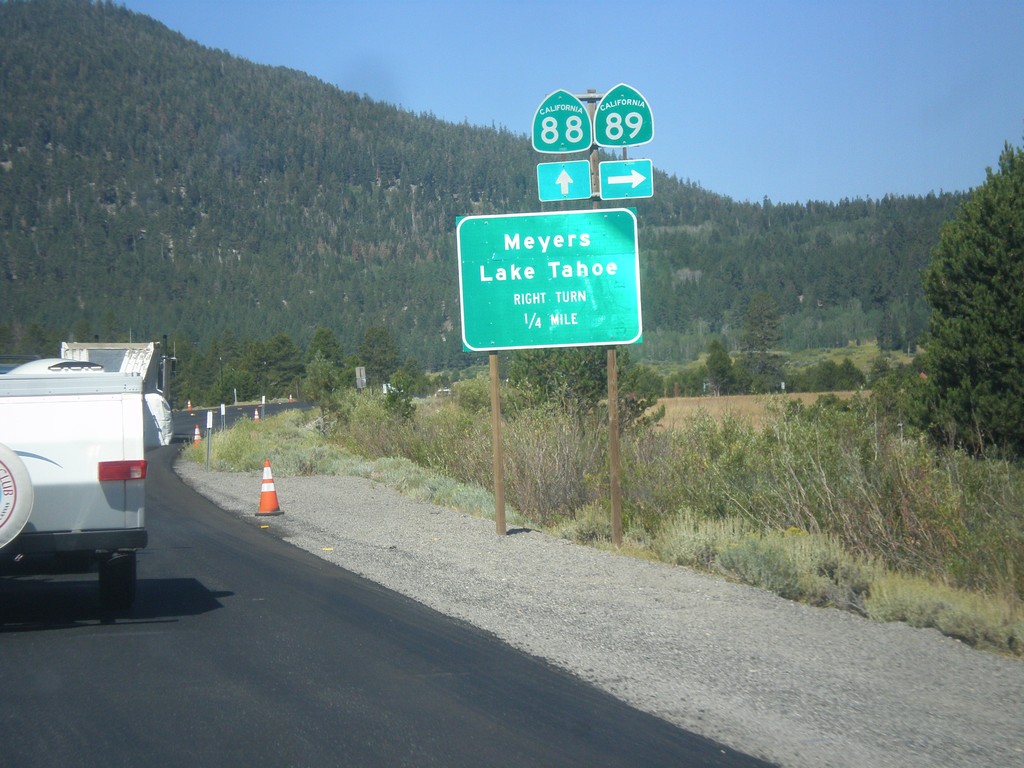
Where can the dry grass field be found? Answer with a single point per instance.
(750, 408)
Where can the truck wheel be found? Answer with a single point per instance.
(117, 581)
(16, 495)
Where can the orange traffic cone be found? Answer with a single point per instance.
(268, 495)
(190, 405)
(198, 438)
(255, 414)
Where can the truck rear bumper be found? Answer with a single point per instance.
(54, 542)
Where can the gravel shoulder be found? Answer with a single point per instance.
(799, 686)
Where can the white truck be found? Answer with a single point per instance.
(142, 358)
(72, 473)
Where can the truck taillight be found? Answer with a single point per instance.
(122, 470)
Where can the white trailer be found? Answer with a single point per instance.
(72, 473)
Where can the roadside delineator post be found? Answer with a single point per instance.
(268, 494)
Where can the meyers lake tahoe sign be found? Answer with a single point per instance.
(529, 280)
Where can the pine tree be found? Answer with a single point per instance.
(761, 324)
(379, 354)
(761, 333)
(975, 285)
(719, 368)
(325, 344)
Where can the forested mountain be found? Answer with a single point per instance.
(153, 186)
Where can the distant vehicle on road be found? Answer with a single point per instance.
(142, 359)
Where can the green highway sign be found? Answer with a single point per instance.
(564, 181)
(532, 280)
(622, 179)
(562, 124)
(623, 118)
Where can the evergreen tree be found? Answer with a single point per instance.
(326, 344)
(575, 378)
(719, 368)
(975, 285)
(889, 335)
(761, 333)
(398, 399)
(415, 381)
(379, 355)
(276, 364)
(323, 382)
(761, 324)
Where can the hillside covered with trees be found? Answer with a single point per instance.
(151, 186)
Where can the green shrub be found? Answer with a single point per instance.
(828, 574)
(656, 479)
(473, 394)
(979, 620)
(289, 440)
(591, 524)
(370, 429)
(842, 471)
(703, 466)
(812, 568)
(845, 472)
(688, 540)
(763, 563)
(549, 455)
(455, 442)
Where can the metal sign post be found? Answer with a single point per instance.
(497, 453)
(570, 279)
(209, 436)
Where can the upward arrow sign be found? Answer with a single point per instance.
(563, 181)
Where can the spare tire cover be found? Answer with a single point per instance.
(16, 495)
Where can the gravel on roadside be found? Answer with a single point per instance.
(795, 685)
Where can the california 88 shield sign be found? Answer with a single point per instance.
(562, 125)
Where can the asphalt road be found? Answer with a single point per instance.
(245, 650)
(186, 421)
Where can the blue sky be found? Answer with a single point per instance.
(793, 101)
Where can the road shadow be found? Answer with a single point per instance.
(42, 603)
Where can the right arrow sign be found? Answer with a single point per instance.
(622, 179)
